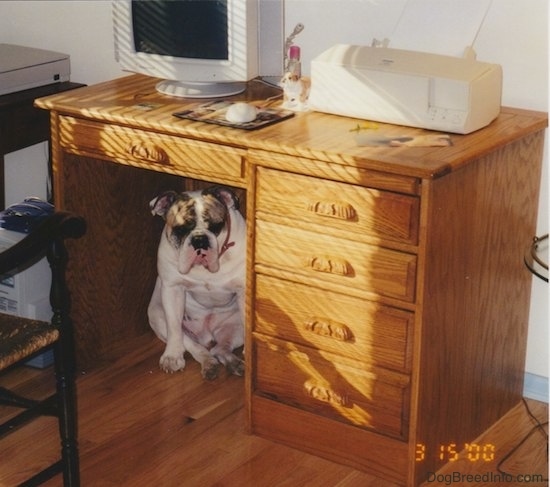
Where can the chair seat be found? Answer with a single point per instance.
(21, 337)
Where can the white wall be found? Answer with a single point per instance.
(514, 35)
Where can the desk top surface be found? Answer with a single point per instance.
(133, 101)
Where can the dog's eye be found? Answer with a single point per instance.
(215, 227)
(181, 231)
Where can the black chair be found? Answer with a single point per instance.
(22, 338)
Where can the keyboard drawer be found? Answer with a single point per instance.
(152, 150)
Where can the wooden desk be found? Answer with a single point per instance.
(387, 296)
(23, 125)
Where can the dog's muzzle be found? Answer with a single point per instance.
(200, 249)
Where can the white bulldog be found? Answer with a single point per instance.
(198, 300)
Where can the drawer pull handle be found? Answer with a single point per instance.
(324, 394)
(147, 151)
(328, 328)
(337, 209)
(331, 265)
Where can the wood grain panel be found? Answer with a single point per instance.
(115, 279)
(365, 450)
(332, 386)
(355, 328)
(351, 174)
(347, 208)
(337, 263)
(150, 150)
(476, 329)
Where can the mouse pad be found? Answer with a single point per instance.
(214, 112)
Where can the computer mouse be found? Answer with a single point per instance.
(241, 112)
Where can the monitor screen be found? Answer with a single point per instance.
(190, 29)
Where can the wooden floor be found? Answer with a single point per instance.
(141, 427)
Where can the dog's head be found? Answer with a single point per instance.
(196, 224)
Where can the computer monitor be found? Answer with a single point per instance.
(199, 48)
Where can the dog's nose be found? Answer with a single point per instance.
(200, 242)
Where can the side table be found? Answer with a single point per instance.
(23, 125)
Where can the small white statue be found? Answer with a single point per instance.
(295, 91)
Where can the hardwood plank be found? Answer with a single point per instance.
(139, 426)
(528, 459)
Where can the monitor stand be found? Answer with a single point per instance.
(183, 89)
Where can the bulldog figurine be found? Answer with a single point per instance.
(295, 92)
(198, 300)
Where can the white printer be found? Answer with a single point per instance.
(22, 68)
(417, 89)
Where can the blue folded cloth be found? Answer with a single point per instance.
(25, 216)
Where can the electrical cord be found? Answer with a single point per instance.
(539, 426)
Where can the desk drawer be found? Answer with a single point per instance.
(341, 262)
(341, 206)
(331, 386)
(356, 328)
(152, 150)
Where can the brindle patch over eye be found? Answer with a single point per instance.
(214, 214)
(181, 213)
(181, 231)
(182, 219)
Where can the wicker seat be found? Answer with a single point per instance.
(21, 338)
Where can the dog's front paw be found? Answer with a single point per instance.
(171, 363)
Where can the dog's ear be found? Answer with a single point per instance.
(224, 195)
(161, 204)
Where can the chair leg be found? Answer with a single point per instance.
(65, 365)
(66, 389)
